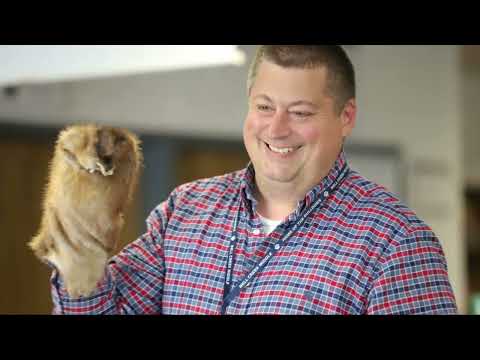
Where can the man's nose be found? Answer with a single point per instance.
(279, 125)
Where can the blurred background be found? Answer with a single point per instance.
(417, 133)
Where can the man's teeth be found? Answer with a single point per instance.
(281, 150)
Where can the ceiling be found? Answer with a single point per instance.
(33, 64)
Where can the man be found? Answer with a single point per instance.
(296, 232)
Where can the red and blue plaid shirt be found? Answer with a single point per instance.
(361, 252)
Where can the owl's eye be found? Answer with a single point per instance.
(120, 140)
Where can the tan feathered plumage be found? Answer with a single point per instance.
(93, 175)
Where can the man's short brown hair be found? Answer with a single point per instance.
(340, 71)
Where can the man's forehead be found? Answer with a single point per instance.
(299, 85)
(266, 65)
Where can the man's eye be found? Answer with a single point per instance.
(264, 108)
(302, 114)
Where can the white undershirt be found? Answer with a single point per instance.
(269, 225)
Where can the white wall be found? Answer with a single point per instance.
(471, 113)
(408, 96)
(184, 102)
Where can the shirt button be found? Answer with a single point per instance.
(256, 232)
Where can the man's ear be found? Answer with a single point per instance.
(348, 117)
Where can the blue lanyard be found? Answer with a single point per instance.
(231, 293)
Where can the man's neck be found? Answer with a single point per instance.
(277, 201)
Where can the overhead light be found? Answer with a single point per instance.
(30, 64)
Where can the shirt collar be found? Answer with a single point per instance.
(248, 186)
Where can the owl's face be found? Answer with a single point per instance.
(98, 149)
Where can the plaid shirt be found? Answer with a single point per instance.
(361, 252)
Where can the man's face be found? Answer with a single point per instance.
(292, 132)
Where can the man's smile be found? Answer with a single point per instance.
(283, 151)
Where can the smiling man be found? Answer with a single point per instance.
(294, 131)
(296, 232)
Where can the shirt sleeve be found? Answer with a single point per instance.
(412, 279)
(133, 281)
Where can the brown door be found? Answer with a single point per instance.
(24, 280)
(199, 162)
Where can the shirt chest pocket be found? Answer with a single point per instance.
(279, 293)
(316, 288)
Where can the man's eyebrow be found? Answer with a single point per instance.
(304, 102)
(295, 103)
(263, 96)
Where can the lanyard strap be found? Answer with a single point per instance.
(231, 293)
